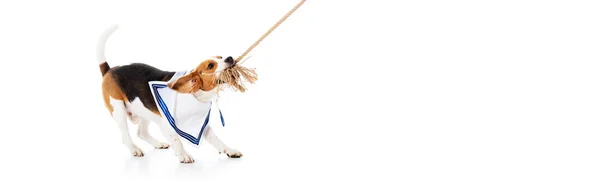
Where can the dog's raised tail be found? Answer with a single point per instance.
(100, 57)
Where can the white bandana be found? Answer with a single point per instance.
(184, 112)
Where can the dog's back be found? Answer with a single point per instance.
(132, 80)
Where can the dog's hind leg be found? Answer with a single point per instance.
(145, 135)
(119, 114)
(136, 120)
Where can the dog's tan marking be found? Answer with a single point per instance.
(219, 57)
(110, 89)
(201, 78)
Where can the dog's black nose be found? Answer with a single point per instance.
(229, 60)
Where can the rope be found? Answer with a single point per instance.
(234, 75)
(270, 30)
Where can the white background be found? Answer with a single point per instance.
(367, 92)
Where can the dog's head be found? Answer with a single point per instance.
(203, 78)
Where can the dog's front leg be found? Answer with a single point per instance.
(212, 138)
(175, 141)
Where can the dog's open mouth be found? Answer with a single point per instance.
(235, 76)
(226, 75)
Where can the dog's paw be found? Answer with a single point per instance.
(185, 158)
(161, 145)
(232, 153)
(137, 152)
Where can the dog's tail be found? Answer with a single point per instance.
(104, 67)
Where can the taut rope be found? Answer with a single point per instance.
(233, 76)
(270, 30)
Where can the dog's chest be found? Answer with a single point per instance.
(183, 112)
(187, 109)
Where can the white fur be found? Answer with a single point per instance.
(144, 134)
(218, 144)
(206, 96)
(100, 46)
(120, 116)
(221, 65)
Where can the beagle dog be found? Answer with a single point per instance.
(127, 95)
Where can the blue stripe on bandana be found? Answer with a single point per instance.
(221, 115)
(171, 120)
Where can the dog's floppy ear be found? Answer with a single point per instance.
(186, 84)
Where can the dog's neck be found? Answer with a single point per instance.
(206, 96)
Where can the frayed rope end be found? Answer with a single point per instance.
(235, 76)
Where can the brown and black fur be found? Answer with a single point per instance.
(129, 82)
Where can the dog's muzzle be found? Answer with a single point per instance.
(229, 60)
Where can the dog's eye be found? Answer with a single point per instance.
(210, 66)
